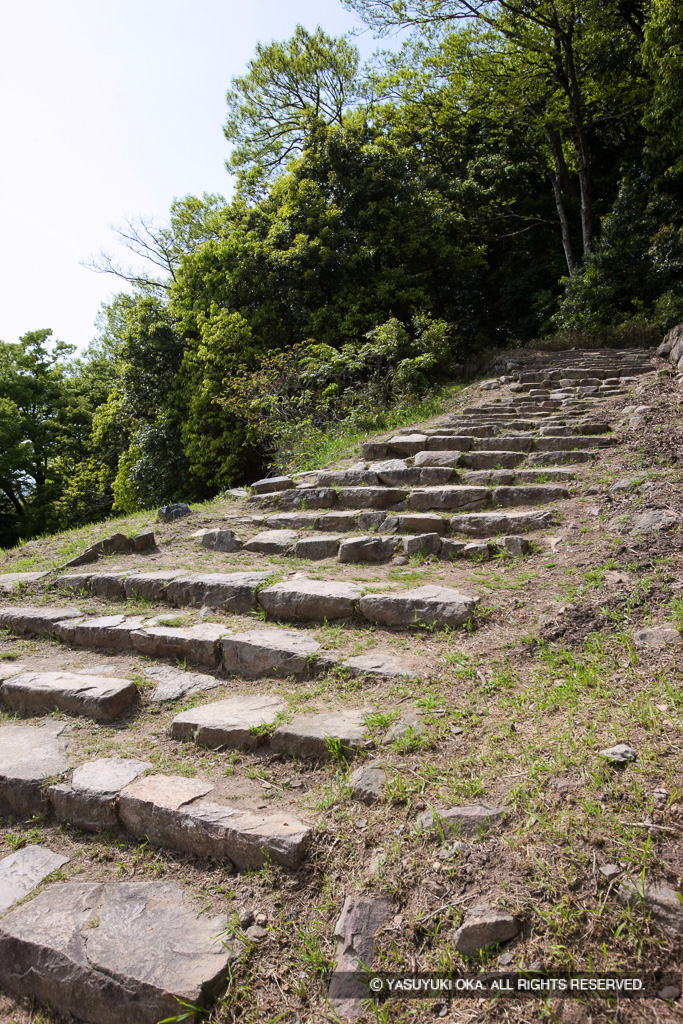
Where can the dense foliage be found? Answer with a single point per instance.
(514, 171)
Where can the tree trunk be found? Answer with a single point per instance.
(557, 177)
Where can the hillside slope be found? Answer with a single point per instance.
(362, 714)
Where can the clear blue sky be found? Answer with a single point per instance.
(111, 109)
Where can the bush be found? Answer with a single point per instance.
(295, 395)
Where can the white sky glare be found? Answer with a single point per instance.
(109, 109)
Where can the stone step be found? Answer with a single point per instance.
(570, 430)
(455, 498)
(491, 524)
(564, 444)
(504, 443)
(424, 606)
(29, 756)
(318, 736)
(178, 812)
(237, 723)
(23, 871)
(89, 800)
(317, 547)
(493, 460)
(562, 457)
(102, 698)
(115, 951)
(462, 498)
(271, 652)
(310, 600)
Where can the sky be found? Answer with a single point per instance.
(113, 109)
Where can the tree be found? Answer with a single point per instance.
(310, 79)
(561, 45)
(43, 424)
(192, 222)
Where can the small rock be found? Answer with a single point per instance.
(669, 992)
(87, 556)
(470, 818)
(246, 918)
(483, 927)
(401, 560)
(256, 933)
(620, 754)
(144, 542)
(624, 485)
(368, 783)
(658, 636)
(167, 513)
(610, 871)
(506, 959)
(516, 546)
(407, 725)
(261, 920)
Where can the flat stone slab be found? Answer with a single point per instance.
(317, 547)
(383, 665)
(658, 899)
(198, 644)
(114, 952)
(149, 586)
(27, 621)
(89, 800)
(360, 920)
(452, 498)
(658, 636)
(232, 591)
(415, 523)
(220, 540)
(269, 652)
(173, 683)
(272, 484)
(272, 542)
(109, 632)
(371, 497)
(108, 584)
(424, 606)
(310, 600)
(171, 811)
(405, 444)
(292, 521)
(101, 698)
(10, 580)
(311, 735)
(340, 521)
(468, 819)
(232, 724)
(367, 549)
(444, 460)
(540, 494)
(655, 521)
(483, 927)
(23, 871)
(487, 524)
(28, 756)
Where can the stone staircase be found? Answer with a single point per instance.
(476, 487)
